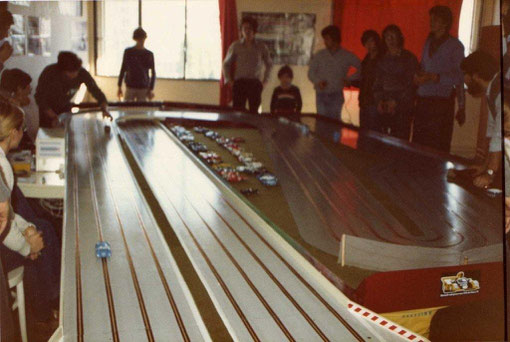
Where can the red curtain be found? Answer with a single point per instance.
(412, 16)
(229, 33)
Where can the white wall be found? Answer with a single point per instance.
(60, 40)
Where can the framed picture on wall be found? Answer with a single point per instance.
(20, 3)
(71, 8)
(79, 36)
(289, 36)
(19, 24)
(39, 35)
(18, 35)
(34, 26)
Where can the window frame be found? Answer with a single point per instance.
(97, 22)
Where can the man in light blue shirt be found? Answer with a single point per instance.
(252, 62)
(439, 82)
(328, 73)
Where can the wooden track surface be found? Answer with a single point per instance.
(259, 292)
(138, 294)
(262, 288)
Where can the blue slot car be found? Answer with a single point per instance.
(103, 250)
(268, 179)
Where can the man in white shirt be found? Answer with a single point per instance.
(483, 78)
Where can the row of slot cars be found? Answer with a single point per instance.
(232, 174)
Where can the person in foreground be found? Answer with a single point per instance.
(33, 245)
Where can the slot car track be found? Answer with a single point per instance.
(139, 293)
(200, 207)
(328, 199)
(262, 289)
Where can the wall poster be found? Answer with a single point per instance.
(79, 36)
(39, 34)
(71, 8)
(289, 36)
(20, 3)
(18, 36)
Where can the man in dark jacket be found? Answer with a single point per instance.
(368, 117)
(57, 85)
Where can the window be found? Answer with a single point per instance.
(467, 25)
(184, 36)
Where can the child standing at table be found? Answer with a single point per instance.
(286, 99)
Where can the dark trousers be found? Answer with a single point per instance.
(44, 120)
(369, 118)
(433, 122)
(247, 89)
(8, 331)
(41, 276)
(397, 124)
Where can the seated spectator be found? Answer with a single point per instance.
(482, 77)
(286, 99)
(31, 244)
(394, 92)
(8, 332)
(368, 117)
(15, 87)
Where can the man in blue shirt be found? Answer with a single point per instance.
(328, 73)
(439, 81)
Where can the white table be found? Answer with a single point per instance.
(42, 184)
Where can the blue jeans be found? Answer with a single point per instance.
(329, 105)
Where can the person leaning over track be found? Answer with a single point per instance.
(57, 85)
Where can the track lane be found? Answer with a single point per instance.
(160, 171)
